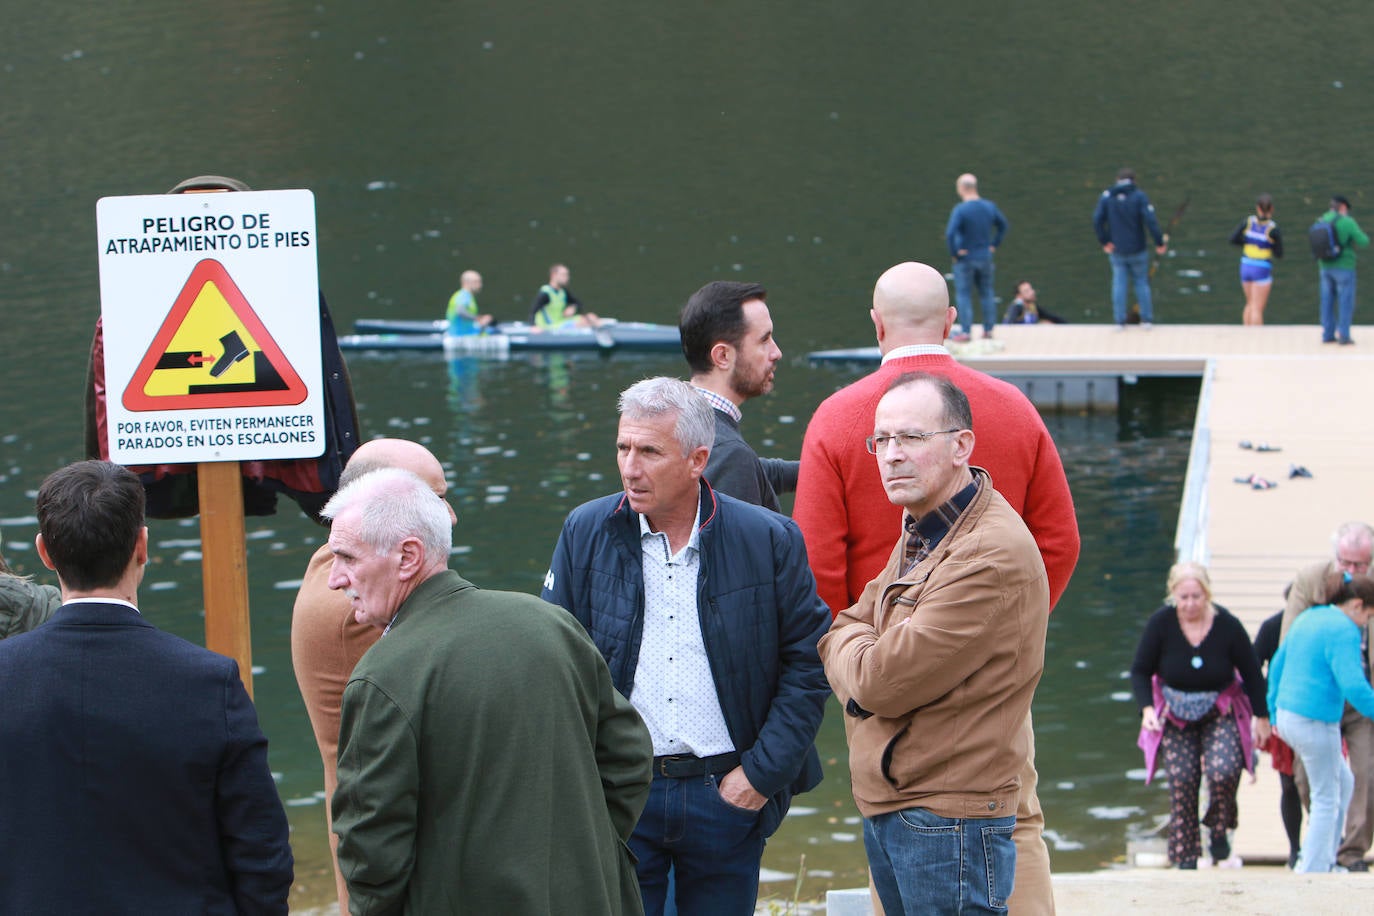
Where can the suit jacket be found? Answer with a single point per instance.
(133, 775)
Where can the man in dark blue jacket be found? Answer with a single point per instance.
(1121, 219)
(974, 231)
(133, 774)
(706, 612)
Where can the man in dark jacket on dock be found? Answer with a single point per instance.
(727, 337)
(706, 611)
(1123, 215)
(974, 231)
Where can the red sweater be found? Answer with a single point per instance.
(843, 510)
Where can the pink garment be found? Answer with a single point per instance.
(1232, 702)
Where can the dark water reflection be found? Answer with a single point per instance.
(807, 145)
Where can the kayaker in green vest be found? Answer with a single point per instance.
(556, 305)
(463, 316)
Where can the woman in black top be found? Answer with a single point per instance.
(1196, 649)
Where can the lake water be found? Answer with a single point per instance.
(805, 145)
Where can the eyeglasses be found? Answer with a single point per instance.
(878, 444)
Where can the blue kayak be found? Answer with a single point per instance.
(384, 334)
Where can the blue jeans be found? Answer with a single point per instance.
(923, 863)
(1331, 782)
(1338, 292)
(713, 848)
(975, 270)
(1130, 269)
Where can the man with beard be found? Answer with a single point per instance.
(727, 337)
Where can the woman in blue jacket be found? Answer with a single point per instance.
(1316, 672)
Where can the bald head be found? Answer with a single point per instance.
(911, 306)
(401, 454)
(967, 183)
(471, 281)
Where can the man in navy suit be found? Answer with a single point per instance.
(133, 774)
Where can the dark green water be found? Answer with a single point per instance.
(806, 145)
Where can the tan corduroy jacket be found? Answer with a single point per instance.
(936, 669)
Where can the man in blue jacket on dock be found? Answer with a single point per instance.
(975, 229)
(706, 612)
(1123, 215)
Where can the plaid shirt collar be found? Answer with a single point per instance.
(925, 533)
(724, 405)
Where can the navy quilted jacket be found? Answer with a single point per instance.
(760, 620)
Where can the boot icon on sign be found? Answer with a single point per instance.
(234, 352)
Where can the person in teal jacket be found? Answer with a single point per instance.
(1316, 672)
(462, 314)
(1338, 274)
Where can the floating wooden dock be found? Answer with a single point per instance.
(1277, 385)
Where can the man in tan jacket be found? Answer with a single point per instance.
(1353, 553)
(937, 663)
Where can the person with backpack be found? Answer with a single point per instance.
(1334, 238)
(1260, 243)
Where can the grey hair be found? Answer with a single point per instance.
(1351, 531)
(655, 397)
(394, 505)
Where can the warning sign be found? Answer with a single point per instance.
(213, 351)
(211, 319)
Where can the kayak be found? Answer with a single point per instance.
(382, 334)
(853, 355)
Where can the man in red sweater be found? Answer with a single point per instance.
(850, 526)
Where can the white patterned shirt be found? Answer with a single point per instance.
(914, 350)
(673, 688)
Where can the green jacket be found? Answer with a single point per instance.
(25, 604)
(486, 764)
(550, 315)
(1350, 236)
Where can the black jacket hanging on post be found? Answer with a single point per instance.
(172, 488)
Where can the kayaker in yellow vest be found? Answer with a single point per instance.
(556, 305)
(463, 316)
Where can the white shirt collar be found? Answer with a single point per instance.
(103, 601)
(914, 350)
(692, 542)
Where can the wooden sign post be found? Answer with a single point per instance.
(224, 564)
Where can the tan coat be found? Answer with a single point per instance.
(1309, 589)
(945, 660)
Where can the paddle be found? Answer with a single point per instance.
(603, 337)
(1168, 230)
